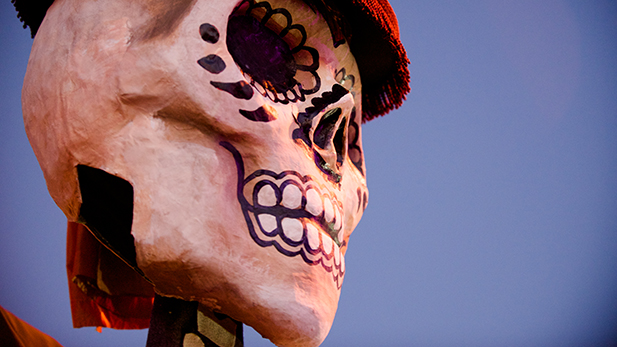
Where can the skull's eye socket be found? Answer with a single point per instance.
(261, 53)
(270, 50)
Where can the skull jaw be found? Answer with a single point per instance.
(192, 240)
(288, 310)
(284, 299)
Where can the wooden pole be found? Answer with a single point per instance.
(179, 323)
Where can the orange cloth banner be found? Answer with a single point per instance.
(14, 332)
(104, 291)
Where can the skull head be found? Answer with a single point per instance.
(237, 123)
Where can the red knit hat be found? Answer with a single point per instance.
(373, 37)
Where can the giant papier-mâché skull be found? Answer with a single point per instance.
(237, 123)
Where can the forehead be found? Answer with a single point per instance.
(165, 15)
(294, 20)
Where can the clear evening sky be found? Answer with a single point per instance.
(493, 191)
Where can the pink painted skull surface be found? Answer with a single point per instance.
(237, 124)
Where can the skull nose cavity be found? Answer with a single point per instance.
(324, 132)
(330, 140)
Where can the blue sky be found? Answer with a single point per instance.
(493, 210)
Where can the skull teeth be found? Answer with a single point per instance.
(327, 244)
(267, 196)
(313, 202)
(338, 221)
(300, 220)
(295, 237)
(292, 197)
(292, 229)
(267, 222)
(337, 255)
(292, 232)
(312, 235)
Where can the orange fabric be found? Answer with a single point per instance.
(14, 332)
(95, 299)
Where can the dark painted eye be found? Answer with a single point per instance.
(261, 53)
(271, 52)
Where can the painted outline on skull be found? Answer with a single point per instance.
(286, 210)
(329, 134)
(285, 70)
